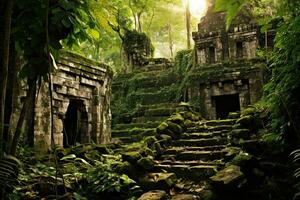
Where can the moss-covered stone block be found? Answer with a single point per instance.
(158, 148)
(191, 116)
(228, 179)
(150, 140)
(154, 195)
(124, 168)
(131, 157)
(246, 121)
(146, 163)
(184, 197)
(162, 181)
(177, 119)
(241, 159)
(248, 111)
(165, 139)
(163, 128)
(175, 128)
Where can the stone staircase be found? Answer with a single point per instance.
(144, 123)
(152, 94)
(200, 153)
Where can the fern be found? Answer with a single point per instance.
(9, 171)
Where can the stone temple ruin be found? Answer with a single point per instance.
(81, 104)
(228, 75)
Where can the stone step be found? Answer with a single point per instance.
(152, 112)
(149, 119)
(190, 172)
(154, 98)
(176, 150)
(160, 105)
(200, 155)
(204, 128)
(199, 142)
(132, 132)
(220, 128)
(204, 135)
(190, 162)
(136, 125)
(220, 122)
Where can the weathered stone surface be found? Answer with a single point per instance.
(154, 195)
(184, 197)
(146, 162)
(229, 178)
(245, 121)
(158, 181)
(131, 157)
(81, 82)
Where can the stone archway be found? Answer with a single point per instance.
(75, 123)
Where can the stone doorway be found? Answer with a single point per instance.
(75, 123)
(225, 104)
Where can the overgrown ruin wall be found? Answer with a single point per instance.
(81, 104)
(227, 70)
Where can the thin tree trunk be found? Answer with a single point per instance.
(23, 115)
(139, 15)
(5, 64)
(151, 20)
(188, 23)
(12, 81)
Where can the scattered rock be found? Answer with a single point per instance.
(131, 157)
(154, 195)
(245, 121)
(166, 138)
(175, 128)
(241, 159)
(177, 118)
(146, 163)
(230, 178)
(184, 197)
(154, 181)
(240, 133)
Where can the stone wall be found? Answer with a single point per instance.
(81, 103)
(226, 62)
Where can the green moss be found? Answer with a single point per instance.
(131, 157)
(137, 42)
(176, 118)
(246, 121)
(175, 128)
(240, 159)
(183, 61)
(146, 163)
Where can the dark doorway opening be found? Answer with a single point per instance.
(239, 50)
(226, 104)
(211, 55)
(75, 123)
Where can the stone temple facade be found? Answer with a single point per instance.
(81, 104)
(228, 75)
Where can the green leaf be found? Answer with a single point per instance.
(68, 157)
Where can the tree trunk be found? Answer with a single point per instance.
(5, 64)
(188, 23)
(24, 112)
(12, 81)
(139, 15)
